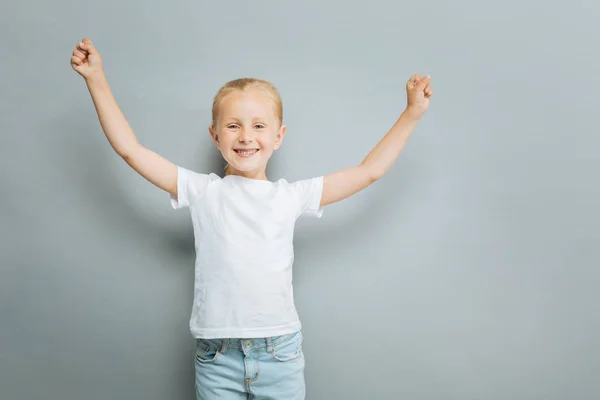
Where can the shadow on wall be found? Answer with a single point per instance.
(82, 163)
(326, 240)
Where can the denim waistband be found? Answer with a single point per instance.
(258, 342)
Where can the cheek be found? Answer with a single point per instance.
(268, 147)
(271, 141)
(225, 138)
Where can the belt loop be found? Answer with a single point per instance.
(269, 345)
(224, 345)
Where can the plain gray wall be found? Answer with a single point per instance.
(470, 271)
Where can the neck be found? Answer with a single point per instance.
(257, 175)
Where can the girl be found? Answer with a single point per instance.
(248, 334)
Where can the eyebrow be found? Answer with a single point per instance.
(237, 119)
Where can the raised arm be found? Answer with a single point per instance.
(156, 169)
(346, 182)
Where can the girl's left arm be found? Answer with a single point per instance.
(346, 182)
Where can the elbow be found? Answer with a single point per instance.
(376, 175)
(373, 174)
(126, 152)
(125, 155)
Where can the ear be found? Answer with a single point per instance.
(214, 135)
(280, 136)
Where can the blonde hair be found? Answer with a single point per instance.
(243, 84)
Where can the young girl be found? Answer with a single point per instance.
(247, 331)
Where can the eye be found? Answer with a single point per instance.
(259, 126)
(232, 126)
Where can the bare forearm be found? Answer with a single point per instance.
(113, 122)
(383, 156)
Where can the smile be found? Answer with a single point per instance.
(246, 153)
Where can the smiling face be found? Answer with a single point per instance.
(247, 131)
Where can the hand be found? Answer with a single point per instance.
(86, 60)
(418, 91)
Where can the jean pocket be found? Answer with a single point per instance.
(289, 348)
(208, 350)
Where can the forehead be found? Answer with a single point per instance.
(247, 103)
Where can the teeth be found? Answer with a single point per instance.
(247, 152)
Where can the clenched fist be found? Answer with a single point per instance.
(418, 91)
(86, 59)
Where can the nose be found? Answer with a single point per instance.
(244, 135)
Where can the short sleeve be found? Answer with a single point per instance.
(308, 193)
(190, 185)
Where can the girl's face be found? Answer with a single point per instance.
(247, 132)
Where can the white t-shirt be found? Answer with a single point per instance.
(243, 230)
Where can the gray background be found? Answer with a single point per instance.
(468, 272)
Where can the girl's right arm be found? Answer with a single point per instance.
(156, 169)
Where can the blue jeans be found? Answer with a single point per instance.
(269, 368)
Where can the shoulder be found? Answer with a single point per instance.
(191, 186)
(307, 184)
(307, 194)
(189, 173)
